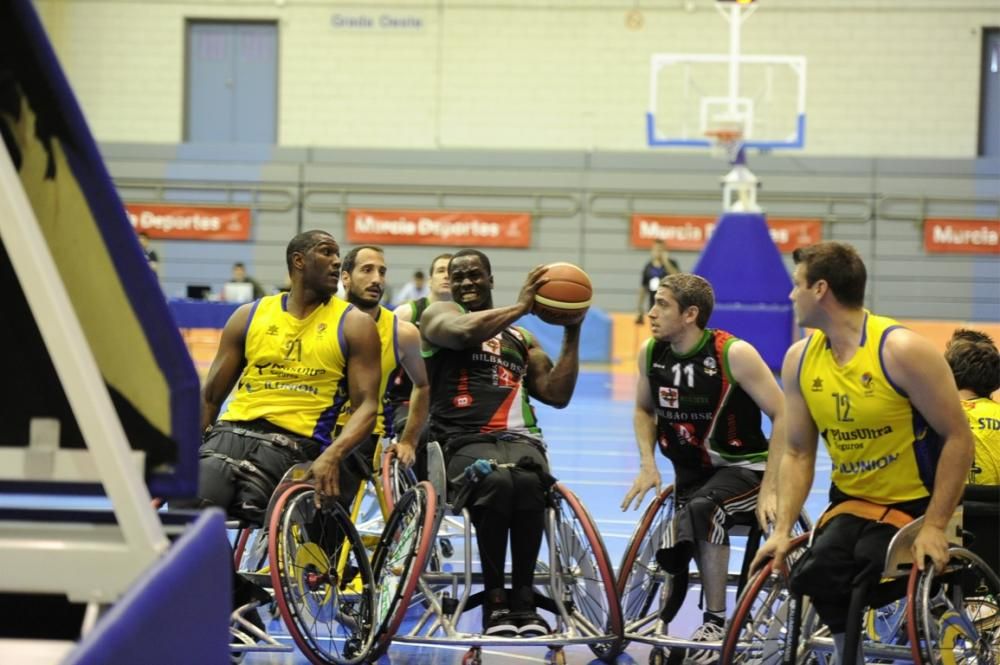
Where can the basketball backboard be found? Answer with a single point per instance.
(689, 96)
(695, 98)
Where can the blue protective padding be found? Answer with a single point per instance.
(742, 262)
(595, 336)
(138, 282)
(200, 314)
(768, 328)
(751, 284)
(178, 612)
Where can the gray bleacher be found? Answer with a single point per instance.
(581, 205)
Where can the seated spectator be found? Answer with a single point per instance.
(240, 276)
(415, 289)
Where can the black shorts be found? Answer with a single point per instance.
(847, 552)
(710, 503)
(505, 490)
(245, 492)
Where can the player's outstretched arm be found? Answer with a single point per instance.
(226, 366)
(798, 460)
(922, 373)
(644, 424)
(447, 325)
(755, 377)
(364, 373)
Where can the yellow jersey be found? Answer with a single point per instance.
(294, 375)
(882, 448)
(388, 334)
(984, 418)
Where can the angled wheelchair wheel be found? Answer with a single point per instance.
(954, 614)
(587, 574)
(400, 558)
(396, 480)
(322, 580)
(242, 536)
(640, 581)
(764, 614)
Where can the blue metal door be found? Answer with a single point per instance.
(232, 82)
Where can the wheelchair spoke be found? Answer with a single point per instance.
(585, 580)
(640, 580)
(958, 613)
(322, 580)
(400, 558)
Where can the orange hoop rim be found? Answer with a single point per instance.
(724, 135)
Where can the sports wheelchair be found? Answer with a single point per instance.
(651, 597)
(313, 569)
(419, 585)
(924, 617)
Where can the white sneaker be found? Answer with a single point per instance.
(706, 632)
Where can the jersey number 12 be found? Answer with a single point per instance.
(843, 403)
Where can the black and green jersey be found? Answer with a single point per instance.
(704, 419)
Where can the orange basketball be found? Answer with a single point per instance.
(566, 297)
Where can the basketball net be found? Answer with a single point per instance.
(727, 142)
(739, 186)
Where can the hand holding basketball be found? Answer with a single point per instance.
(534, 281)
(564, 298)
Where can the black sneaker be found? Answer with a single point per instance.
(529, 624)
(497, 619)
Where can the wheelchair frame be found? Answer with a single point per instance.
(442, 596)
(641, 583)
(764, 631)
(361, 528)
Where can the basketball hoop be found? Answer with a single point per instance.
(727, 142)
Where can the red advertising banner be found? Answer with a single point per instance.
(691, 232)
(439, 227)
(961, 236)
(185, 222)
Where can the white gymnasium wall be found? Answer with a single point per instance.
(893, 78)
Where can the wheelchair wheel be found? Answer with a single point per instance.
(955, 614)
(756, 633)
(400, 558)
(326, 606)
(396, 479)
(587, 574)
(242, 536)
(639, 577)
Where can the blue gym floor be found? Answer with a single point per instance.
(591, 449)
